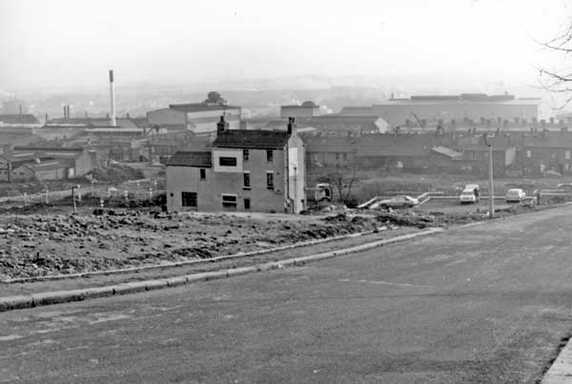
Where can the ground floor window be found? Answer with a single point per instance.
(229, 201)
(189, 199)
(270, 180)
(246, 203)
(246, 180)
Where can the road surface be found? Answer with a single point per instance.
(484, 304)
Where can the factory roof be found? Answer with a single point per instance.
(200, 107)
(18, 119)
(462, 98)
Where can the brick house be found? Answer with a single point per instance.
(547, 151)
(46, 163)
(244, 170)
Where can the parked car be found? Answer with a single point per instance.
(474, 187)
(396, 202)
(515, 195)
(468, 196)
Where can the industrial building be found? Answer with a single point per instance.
(451, 110)
(199, 118)
(305, 110)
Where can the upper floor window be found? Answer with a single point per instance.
(227, 161)
(269, 155)
(245, 154)
(203, 174)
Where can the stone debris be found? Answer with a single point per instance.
(38, 245)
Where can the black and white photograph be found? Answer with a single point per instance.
(260, 192)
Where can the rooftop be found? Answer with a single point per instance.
(199, 107)
(93, 122)
(251, 139)
(462, 98)
(18, 119)
(549, 140)
(305, 104)
(200, 159)
(448, 152)
(47, 149)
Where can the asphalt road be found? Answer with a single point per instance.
(484, 304)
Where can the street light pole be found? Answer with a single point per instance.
(491, 184)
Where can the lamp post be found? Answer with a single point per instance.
(491, 185)
(73, 193)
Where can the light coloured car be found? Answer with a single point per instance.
(468, 196)
(474, 187)
(515, 195)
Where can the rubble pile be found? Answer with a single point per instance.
(114, 174)
(38, 245)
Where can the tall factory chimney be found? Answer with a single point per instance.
(112, 98)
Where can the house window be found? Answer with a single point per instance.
(270, 180)
(228, 201)
(246, 180)
(269, 155)
(227, 161)
(189, 199)
(246, 203)
(203, 173)
(245, 154)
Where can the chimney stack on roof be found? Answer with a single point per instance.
(222, 125)
(291, 125)
(66, 112)
(112, 98)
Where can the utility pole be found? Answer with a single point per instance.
(491, 184)
(73, 191)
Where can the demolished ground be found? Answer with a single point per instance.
(47, 239)
(38, 245)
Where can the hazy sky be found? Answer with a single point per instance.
(47, 43)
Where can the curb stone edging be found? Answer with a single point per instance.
(560, 371)
(58, 297)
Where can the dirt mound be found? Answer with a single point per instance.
(114, 174)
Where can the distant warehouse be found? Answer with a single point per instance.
(199, 118)
(446, 109)
(307, 109)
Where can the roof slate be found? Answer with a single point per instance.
(251, 139)
(553, 140)
(18, 119)
(198, 159)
